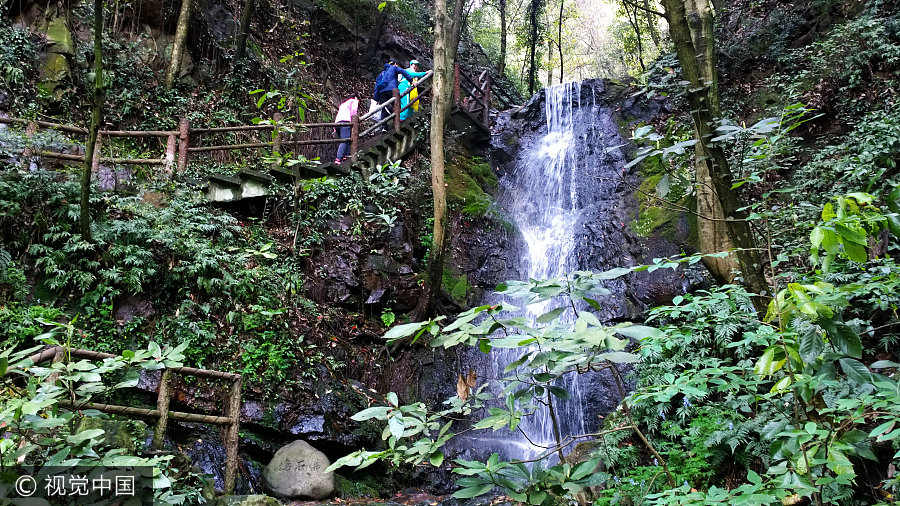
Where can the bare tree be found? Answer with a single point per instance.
(722, 214)
(244, 30)
(534, 8)
(84, 219)
(501, 67)
(446, 41)
(559, 41)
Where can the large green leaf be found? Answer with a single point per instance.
(405, 330)
(549, 316)
(638, 331)
(893, 199)
(811, 345)
(620, 357)
(856, 371)
(373, 412)
(470, 492)
(845, 339)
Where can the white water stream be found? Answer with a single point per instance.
(543, 201)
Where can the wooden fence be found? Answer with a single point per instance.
(230, 420)
(314, 141)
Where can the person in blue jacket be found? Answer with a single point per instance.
(404, 87)
(386, 83)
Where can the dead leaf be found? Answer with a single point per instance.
(470, 379)
(462, 389)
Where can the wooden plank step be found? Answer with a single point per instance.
(288, 174)
(255, 175)
(225, 181)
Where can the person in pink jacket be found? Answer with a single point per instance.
(346, 111)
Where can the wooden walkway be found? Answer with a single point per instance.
(308, 148)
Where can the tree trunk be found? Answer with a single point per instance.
(720, 177)
(534, 6)
(181, 29)
(549, 62)
(559, 39)
(502, 66)
(446, 40)
(651, 24)
(635, 25)
(84, 220)
(241, 43)
(712, 234)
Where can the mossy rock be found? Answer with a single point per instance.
(366, 486)
(468, 182)
(54, 70)
(456, 285)
(59, 37)
(668, 222)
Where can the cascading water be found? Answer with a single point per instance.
(544, 205)
(541, 197)
(564, 186)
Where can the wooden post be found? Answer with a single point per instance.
(231, 436)
(354, 137)
(184, 128)
(30, 130)
(95, 162)
(276, 138)
(162, 405)
(486, 101)
(57, 357)
(397, 110)
(456, 84)
(170, 155)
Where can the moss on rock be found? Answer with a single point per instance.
(469, 183)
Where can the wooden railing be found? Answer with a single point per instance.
(314, 141)
(231, 419)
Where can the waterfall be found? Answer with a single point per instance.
(564, 186)
(541, 197)
(545, 209)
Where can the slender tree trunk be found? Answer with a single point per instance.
(502, 66)
(720, 177)
(549, 62)
(534, 6)
(446, 40)
(84, 220)
(651, 24)
(559, 39)
(712, 233)
(181, 29)
(635, 25)
(241, 43)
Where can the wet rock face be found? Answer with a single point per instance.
(604, 196)
(350, 272)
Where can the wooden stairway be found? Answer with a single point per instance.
(381, 150)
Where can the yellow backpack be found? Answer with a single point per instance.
(413, 95)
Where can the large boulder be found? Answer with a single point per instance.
(298, 471)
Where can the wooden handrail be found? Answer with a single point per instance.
(231, 420)
(390, 101)
(480, 92)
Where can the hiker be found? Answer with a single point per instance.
(345, 113)
(386, 83)
(406, 98)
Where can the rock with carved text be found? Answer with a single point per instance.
(298, 471)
